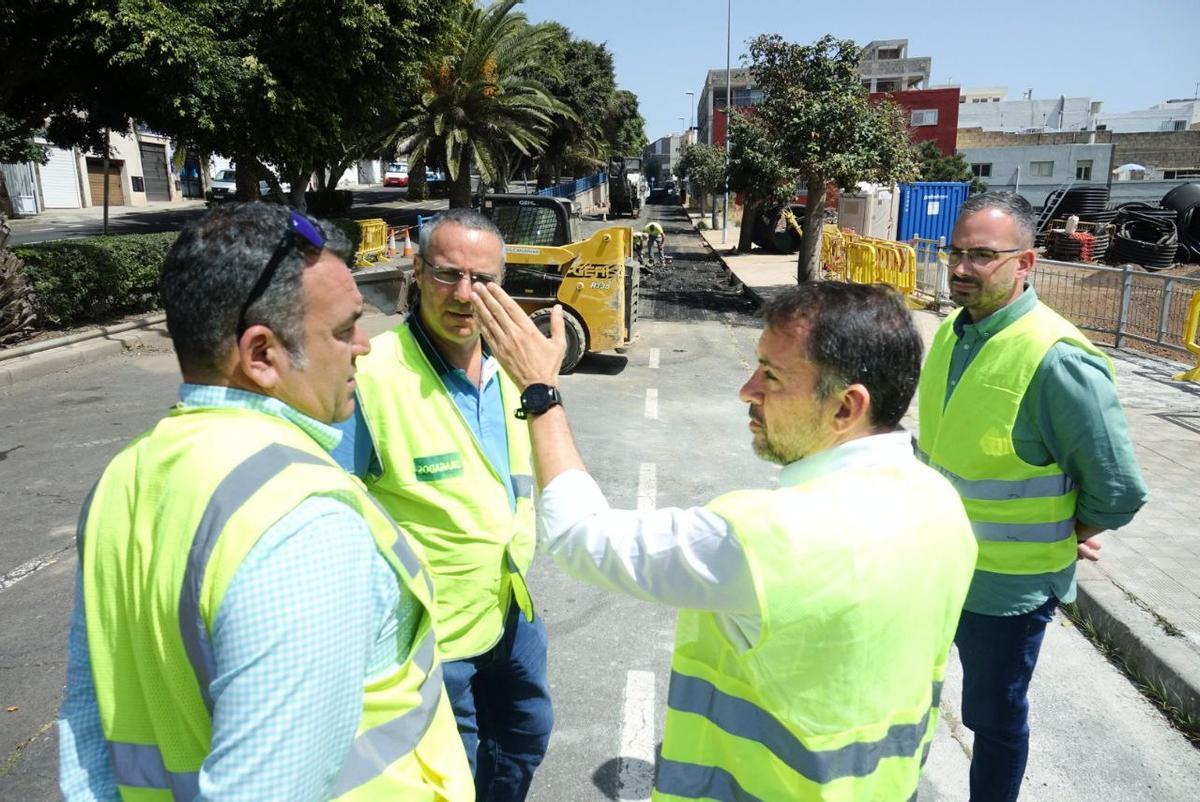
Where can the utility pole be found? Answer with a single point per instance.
(691, 110)
(728, 113)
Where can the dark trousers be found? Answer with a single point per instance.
(998, 656)
(501, 700)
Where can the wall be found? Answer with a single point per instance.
(945, 133)
(1013, 115)
(1006, 160)
(1153, 150)
(1153, 118)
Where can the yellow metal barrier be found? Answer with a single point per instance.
(833, 251)
(1191, 339)
(372, 243)
(868, 260)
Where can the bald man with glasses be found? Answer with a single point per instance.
(437, 441)
(1020, 411)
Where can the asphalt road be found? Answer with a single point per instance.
(659, 424)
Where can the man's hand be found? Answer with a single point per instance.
(1089, 544)
(525, 354)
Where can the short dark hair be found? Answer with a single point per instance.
(209, 271)
(856, 334)
(1011, 204)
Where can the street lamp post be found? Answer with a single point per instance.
(691, 111)
(728, 111)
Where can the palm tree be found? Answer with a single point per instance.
(480, 104)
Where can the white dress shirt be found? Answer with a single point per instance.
(688, 558)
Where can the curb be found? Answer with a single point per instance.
(1168, 662)
(54, 359)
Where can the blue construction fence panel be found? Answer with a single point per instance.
(928, 209)
(569, 189)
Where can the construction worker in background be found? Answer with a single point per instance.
(1020, 411)
(639, 247)
(436, 440)
(655, 240)
(247, 624)
(815, 619)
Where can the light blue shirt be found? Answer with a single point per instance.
(482, 408)
(312, 613)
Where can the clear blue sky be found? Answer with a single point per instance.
(1129, 54)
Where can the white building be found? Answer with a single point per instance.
(1173, 115)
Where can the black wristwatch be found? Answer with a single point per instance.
(536, 399)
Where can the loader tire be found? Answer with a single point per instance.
(576, 338)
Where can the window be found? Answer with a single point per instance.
(867, 85)
(1041, 169)
(962, 98)
(977, 99)
(887, 54)
(1101, 127)
(981, 170)
(1182, 173)
(1083, 170)
(1179, 125)
(995, 100)
(886, 86)
(924, 117)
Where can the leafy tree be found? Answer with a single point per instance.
(478, 103)
(624, 124)
(936, 167)
(816, 108)
(757, 169)
(704, 166)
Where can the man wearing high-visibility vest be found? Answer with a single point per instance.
(437, 443)
(656, 240)
(248, 624)
(815, 618)
(1021, 413)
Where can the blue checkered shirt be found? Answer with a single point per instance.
(311, 614)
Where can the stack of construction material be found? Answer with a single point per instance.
(1087, 243)
(1185, 202)
(1088, 202)
(1144, 236)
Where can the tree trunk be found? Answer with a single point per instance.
(297, 183)
(418, 182)
(460, 186)
(808, 265)
(6, 204)
(750, 212)
(246, 177)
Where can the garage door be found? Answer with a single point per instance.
(154, 170)
(60, 180)
(96, 182)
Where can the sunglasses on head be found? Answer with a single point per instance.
(301, 232)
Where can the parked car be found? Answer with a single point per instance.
(396, 175)
(224, 186)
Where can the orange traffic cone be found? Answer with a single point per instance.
(407, 245)
(391, 242)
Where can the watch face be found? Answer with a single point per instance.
(536, 397)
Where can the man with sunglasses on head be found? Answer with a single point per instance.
(1020, 411)
(436, 439)
(248, 623)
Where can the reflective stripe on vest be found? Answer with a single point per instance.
(141, 766)
(744, 719)
(376, 749)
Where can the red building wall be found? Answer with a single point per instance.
(945, 133)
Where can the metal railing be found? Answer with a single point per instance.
(569, 189)
(1124, 305)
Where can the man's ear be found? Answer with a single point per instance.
(262, 357)
(1025, 263)
(853, 409)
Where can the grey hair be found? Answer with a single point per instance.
(466, 218)
(209, 272)
(1011, 204)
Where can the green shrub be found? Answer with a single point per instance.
(95, 279)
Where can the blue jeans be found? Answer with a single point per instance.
(502, 703)
(998, 656)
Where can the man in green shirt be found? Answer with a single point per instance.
(655, 240)
(1020, 411)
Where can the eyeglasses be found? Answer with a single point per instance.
(977, 256)
(452, 275)
(301, 231)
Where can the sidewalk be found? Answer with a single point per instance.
(1143, 596)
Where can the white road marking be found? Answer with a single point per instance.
(653, 358)
(39, 230)
(28, 569)
(647, 487)
(74, 225)
(652, 403)
(635, 775)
